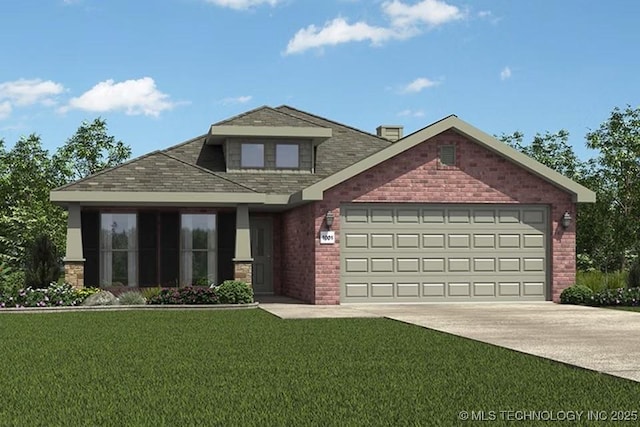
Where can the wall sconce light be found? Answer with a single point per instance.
(566, 220)
(328, 218)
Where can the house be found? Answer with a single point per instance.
(302, 206)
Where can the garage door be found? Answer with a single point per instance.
(410, 252)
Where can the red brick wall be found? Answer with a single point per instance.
(414, 176)
(298, 254)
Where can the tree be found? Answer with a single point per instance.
(90, 150)
(27, 174)
(550, 149)
(618, 173)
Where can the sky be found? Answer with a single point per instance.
(162, 71)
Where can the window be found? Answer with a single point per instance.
(118, 249)
(287, 156)
(448, 155)
(252, 156)
(198, 249)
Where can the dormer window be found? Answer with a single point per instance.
(287, 156)
(252, 155)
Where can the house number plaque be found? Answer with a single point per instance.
(327, 237)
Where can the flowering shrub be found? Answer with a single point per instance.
(56, 295)
(620, 296)
(186, 295)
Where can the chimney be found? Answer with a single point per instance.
(390, 132)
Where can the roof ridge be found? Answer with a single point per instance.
(237, 116)
(332, 121)
(428, 126)
(105, 170)
(207, 171)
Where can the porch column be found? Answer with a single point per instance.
(74, 258)
(242, 261)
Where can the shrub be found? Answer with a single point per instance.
(12, 281)
(149, 293)
(576, 294)
(84, 293)
(234, 292)
(613, 297)
(42, 262)
(186, 295)
(597, 280)
(633, 279)
(132, 298)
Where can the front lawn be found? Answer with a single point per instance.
(248, 367)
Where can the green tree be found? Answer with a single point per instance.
(90, 150)
(27, 173)
(618, 175)
(550, 149)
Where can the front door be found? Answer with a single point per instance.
(261, 252)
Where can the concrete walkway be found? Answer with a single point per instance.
(602, 340)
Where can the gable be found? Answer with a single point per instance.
(425, 136)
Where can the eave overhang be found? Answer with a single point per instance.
(180, 199)
(314, 133)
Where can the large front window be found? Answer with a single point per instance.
(198, 249)
(118, 249)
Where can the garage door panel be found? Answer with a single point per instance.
(355, 240)
(382, 265)
(433, 289)
(443, 252)
(356, 265)
(382, 290)
(408, 241)
(459, 240)
(457, 289)
(484, 289)
(408, 289)
(408, 265)
(382, 240)
(433, 216)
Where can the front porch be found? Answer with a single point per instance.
(125, 248)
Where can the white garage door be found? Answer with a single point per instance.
(425, 252)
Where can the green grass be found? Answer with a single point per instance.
(597, 280)
(247, 367)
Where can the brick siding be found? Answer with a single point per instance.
(480, 176)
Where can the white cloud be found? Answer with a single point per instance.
(405, 21)
(411, 113)
(430, 12)
(131, 96)
(242, 4)
(418, 85)
(237, 100)
(28, 92)
(505, 73)
(336, 32)
(5, 109)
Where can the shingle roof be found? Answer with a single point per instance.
(156, 171)
(197, 166)
(266, 116)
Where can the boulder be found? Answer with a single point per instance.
(101, 298)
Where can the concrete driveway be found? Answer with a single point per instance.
(598, 339)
